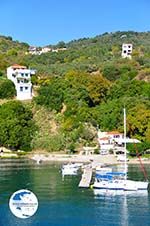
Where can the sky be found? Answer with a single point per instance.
(44, 22)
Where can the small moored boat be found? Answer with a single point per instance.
(70, 168)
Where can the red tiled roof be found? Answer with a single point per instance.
(104, 138)
(113, 133)
(17, 66)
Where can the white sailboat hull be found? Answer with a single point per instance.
(111, 185)
(142, 185)
(126, 185)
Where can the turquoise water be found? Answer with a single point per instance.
(62, 203)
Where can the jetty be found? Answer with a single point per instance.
(86, 177)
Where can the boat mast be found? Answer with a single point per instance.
(125, 150)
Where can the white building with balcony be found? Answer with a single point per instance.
(127, 50)
(113, 140)
(21, 77)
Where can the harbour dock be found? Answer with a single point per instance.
(86, 178)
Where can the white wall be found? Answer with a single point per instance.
(22, 80)
(126, 50)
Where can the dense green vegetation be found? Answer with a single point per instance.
(11, 52)
(16, 126)
(7, 89)
(83, 88)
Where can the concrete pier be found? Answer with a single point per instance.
(86, 178)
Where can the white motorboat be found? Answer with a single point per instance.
(70, 168)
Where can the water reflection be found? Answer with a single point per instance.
(129, 205)
(106, 192)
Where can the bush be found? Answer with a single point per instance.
(51, 96)
(7, 89)
(138, 149)
(16, 126)
(51, 143)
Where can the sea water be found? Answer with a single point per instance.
(62, 203)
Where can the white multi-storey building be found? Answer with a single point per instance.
(126, 50)
(21, 77)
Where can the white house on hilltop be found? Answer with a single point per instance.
(21, 77)
(38, 51)
(127, 50)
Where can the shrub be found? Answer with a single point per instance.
(16, 126)
(138, 149)
(7, 89)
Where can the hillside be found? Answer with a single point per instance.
(7, 43)
(88, 54)
(10, 52)
(84, 87)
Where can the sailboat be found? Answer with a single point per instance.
(119, 180)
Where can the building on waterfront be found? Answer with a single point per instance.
(127, 50)
(107, 140)
(21, 77)
(113, 140)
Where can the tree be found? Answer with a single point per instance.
(75, 93)
(138, 119)
(126, 88)
(16, 126)
(140, 147)
(12, 52)
(7, 89)
(51, 95)
(111, 72)
(97, 88)
(61, 44)
(108, 115)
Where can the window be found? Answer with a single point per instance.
(26, 80)
(21, 88)
(26, 88)
(116, 136)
